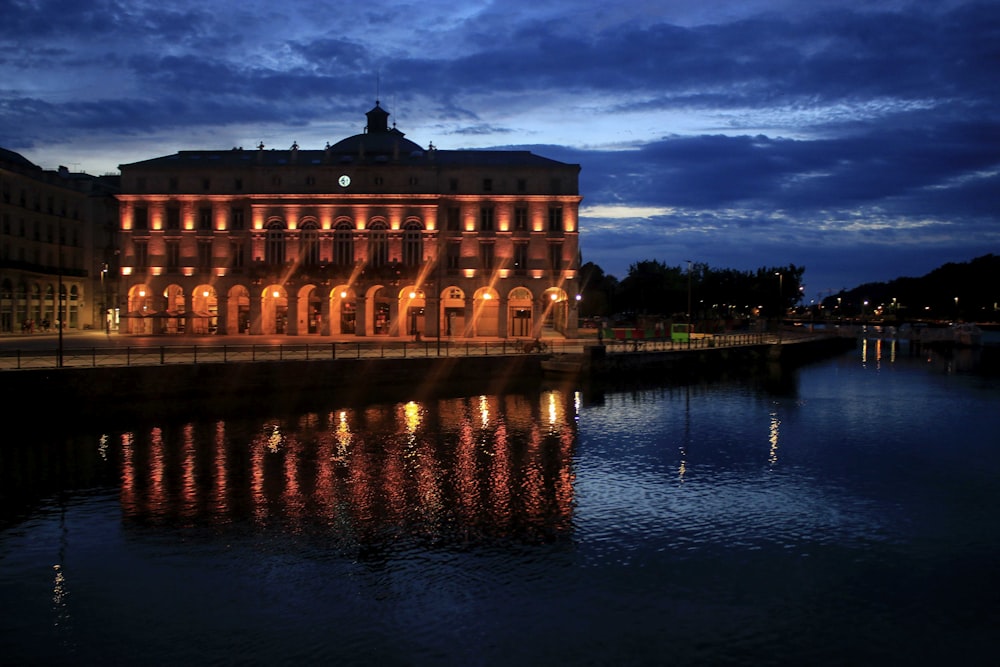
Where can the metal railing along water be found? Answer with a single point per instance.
(148, 355)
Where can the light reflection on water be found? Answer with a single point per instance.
(829, 517)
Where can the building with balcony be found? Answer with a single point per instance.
(373, 235)
(58, 253)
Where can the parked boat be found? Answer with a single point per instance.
(967, 334)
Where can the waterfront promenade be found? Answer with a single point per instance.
(94, 349)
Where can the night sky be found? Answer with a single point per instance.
(858, 139)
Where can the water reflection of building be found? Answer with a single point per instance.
(453, 469)
(373, 235)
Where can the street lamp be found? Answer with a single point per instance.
(781, 298)
(689, 291)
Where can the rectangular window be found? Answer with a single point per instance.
(454, 219)
(140, 218)
(520, 258)
(555, 219)
(486, 255)
(237, 255)
(486, 219)
(454, 257)
(141, 254)
(173, 218)
(521, 219)
(205, 255)
(555, 256)
(173, 255)
(205, 218)
(236, 219)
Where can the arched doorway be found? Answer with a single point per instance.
(519, 315)
(555, 311)
(140, 310)
(486, 312)
(274, 310)
(238, 310)
(413, 304)
(172, 320)
(453, 311)
(343, 310)
(310, 307)
(205, 304)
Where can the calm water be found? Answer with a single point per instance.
(845, 513)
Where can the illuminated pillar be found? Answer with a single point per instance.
(502, 315)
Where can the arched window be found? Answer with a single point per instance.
(413, 244)
(274, 248)
(343, 244)
(378, 245)
(309, 244)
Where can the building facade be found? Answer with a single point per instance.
(371, 236)
(58, 236)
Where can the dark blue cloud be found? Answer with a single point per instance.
(839, 136)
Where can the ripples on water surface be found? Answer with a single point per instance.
(842, 515)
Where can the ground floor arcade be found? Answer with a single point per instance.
(507, 311)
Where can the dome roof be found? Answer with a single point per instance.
(378, 138)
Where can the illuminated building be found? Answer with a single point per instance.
(57, 236)
(371, 236)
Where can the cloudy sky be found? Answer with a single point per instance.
(859, 139)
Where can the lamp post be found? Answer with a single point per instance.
(437, 288)
(781, 298)
(689, 291)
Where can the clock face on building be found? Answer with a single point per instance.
(344, 181)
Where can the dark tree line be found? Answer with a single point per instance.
(654, 290)
(954, 291)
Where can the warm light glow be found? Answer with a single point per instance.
(142, 292)
(554, 296)
(413, 295)
(276, 294)
(205, 293)
(487, 296)
(343, 295)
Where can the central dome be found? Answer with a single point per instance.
(377, 139)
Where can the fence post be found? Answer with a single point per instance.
(163, 354)
(333, 350)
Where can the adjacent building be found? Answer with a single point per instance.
(58, 238)
(373, 235)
